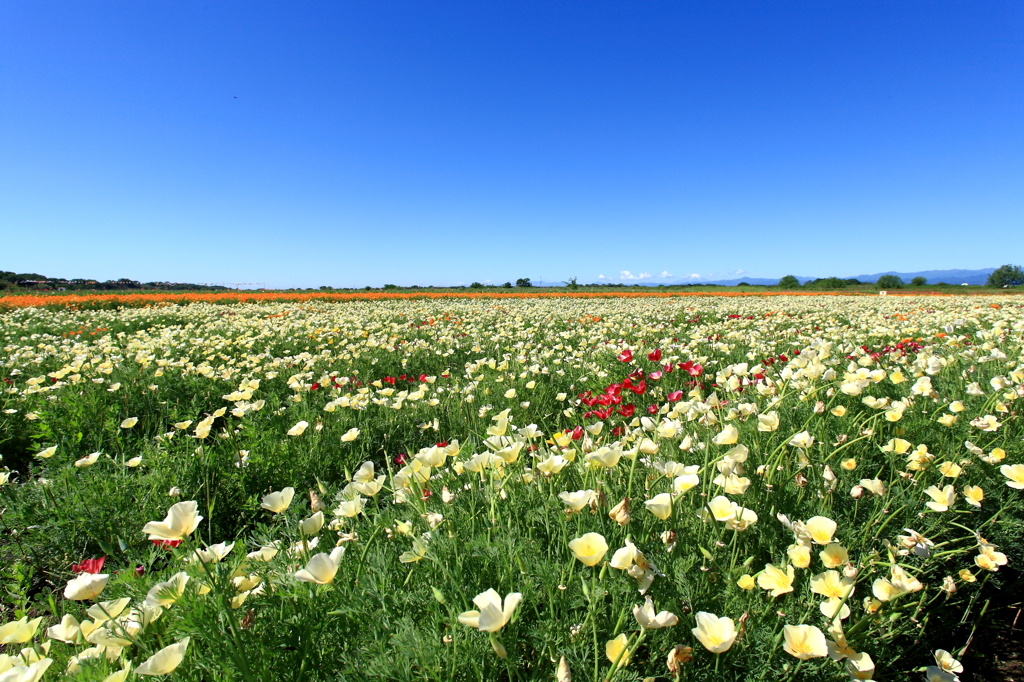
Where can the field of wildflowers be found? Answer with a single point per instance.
(765, 488)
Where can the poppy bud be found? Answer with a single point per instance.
(620, 512)
(679, 655)
(563, 674)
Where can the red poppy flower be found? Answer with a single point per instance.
(140, 571)
(389, 380)
(654, 376)
(639, 388)
(691, 368)
(89, 565)
(314, 387)
(627, 410)
(603, 414)
(668, 369)
(652, 409)
(618, 431)
(675, 396)
(577, 433)
(654, 356)
(166, 544)
(626, 356)
(400, 459)
(443, 444)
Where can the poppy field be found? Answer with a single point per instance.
(665, 488)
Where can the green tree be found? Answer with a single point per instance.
(789, 282)
(524, 282)
(827, 283)
(1006, 276)
(507, 285)
(889, 282)
(572, 283)
(476, 285)
(919, 281)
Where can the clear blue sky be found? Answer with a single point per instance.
(446, 142)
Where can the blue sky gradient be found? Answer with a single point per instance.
(352, 144)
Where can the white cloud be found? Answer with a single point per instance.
(665, 273)
(739, 272)
(694, 276)
(626, 274)
(600, 277)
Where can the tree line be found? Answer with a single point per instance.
(34, 281)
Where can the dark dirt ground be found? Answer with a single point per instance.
(996, 653)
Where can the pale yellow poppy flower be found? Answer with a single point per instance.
(804, 642)
(322, 568)
(717, 634)
(589, 548)
(277, 502)
(775, 580)
(164, 661)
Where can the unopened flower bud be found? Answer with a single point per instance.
(679, 655)
(948, 585)
(563, 674)
(668, 537)
(620, 512)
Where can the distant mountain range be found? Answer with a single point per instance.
(933, 277)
